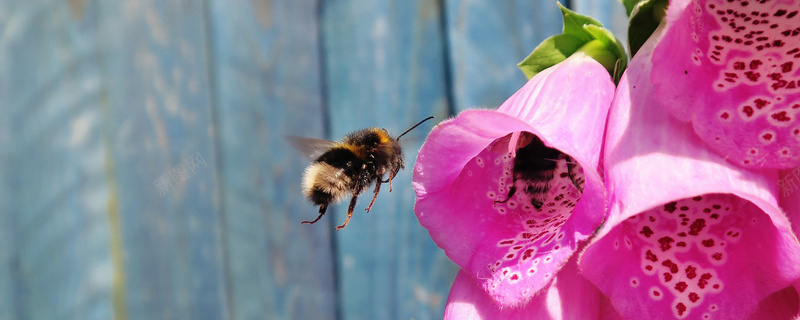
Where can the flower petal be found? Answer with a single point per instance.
(570, 297)
(730, 67)
(783, 304)
(789, 187)
(464, 171)
(688, 233)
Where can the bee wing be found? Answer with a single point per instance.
(310, 147)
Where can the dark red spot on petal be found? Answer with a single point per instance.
(703, 282)
(671, 265)
(717, 256)
(681, 286)
(786, 67)
(665, 243)
(670, 207)
(697, 226)
(752, 76)
(781, 116)
(748, 110)
(649, 255)
(767, 136)
(667, 277)
(527, 254)
(693, 296)
(681, 308)
(760, 103)
(691, 272)
(646, 231)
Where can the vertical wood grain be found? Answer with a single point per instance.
(53, 165)
(487, 39)
(268, 85)
(385, 67)
(158, 112)
(101, 99)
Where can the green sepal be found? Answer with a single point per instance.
(581, 33)
(645, 18)
(549, 53)
(629, 5)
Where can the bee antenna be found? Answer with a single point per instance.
(412, 128)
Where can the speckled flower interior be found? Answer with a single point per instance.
(730, 67)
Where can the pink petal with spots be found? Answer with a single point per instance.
(465, 168)
(689, 235)
(731, 68)
(570, 297)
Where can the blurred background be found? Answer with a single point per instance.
(144, 172)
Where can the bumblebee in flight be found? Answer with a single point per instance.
(350, 166)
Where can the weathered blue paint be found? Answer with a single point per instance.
(268, 85)
(487, 39)
(57, 257)
(159, 112)
(384, 67)
(101, 99)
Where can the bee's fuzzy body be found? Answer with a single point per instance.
(534, 169)
(352, 165)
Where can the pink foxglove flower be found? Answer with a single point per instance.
(689, 235)
(513, 246)
(570, 296)
(731, 68)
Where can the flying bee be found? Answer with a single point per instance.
(535, 167)
(350, 166)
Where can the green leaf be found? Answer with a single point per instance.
(645, 18)
(573, 23)
(550, 52)
(581, 33)
(629, 5)
(607, 50)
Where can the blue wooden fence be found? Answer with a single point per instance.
(143, 170)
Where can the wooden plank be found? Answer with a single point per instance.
(160, 129)
(56, 262)
(384, 65)
(611, 13)
(487, 39)
(268, 85)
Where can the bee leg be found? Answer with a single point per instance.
(537, 204)
(511, 192)
(391, 176)
(322, 209)
(377, 188)
(572, 169)
(349, 212)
